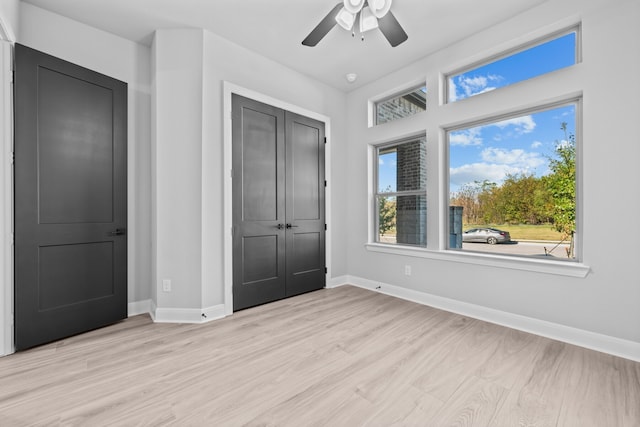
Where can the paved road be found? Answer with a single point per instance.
(521, 248)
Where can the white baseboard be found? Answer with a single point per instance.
(187, 315)
(139, 307)
(591, 340)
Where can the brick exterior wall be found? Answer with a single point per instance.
(411, 211)
(394, 109)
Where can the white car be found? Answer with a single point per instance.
(486, 235)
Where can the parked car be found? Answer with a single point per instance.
(486, 235)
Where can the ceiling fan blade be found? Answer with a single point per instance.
(323, 27)
(392, 30)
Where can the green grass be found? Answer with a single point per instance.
(524, 231)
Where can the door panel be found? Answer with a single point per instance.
(70, 198)
(305, 173)
(75, 178)
(258, 203)
(259, 166)
(59, 285)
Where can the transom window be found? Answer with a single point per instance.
(399, 106)
(536, 60)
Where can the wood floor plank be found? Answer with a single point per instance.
(338, 357)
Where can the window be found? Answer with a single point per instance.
(545, 57)
(400, 200)
(403, 105)
(513, 181)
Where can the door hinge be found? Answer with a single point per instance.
(233, 231)
(325, 270)
(325, 183)
(12, 239)
(325, 227)
(12, 159)
(325, 139)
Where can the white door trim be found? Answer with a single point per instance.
(228, 90)
(6, 195)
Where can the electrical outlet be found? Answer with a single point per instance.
(166, 285)
(407, 270)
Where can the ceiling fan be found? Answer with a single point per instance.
(370, 14)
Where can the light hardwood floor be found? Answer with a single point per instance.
(339, 357)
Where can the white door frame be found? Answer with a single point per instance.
(6, 191)
(228, 90)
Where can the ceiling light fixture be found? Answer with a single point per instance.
(368, 21)
(370, 14)
(345, 18)
(380, 7)
(351, 77)
(367, 11)
(353, 6)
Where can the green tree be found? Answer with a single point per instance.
(561, 184)
(386, 214)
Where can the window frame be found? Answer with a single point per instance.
(559, 87)
(446, 87)
(576, 101)
(376, 193)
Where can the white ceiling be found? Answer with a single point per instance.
(276, 28)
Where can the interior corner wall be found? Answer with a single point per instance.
(126, 61)
(607, 301)
(177, 170)
(10, 17)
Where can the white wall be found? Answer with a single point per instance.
(607, 300)
(9, 18)
(126, 61)
(190, 68)
(177, 178)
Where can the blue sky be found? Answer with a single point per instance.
(515, 145)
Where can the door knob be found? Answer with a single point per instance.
(291, 226)
(117, 232)
(280, 226)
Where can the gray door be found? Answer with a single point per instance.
(70, 199)
(278, 204)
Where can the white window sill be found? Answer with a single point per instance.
(561, 268)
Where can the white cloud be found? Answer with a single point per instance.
(524, 124)
(525, 161)
(479, 172)
(466, 137)
(536, 144)
(467, 86)
(496, 164)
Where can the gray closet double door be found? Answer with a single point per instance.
(278, 203)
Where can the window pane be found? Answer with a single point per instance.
(387, 170)
(403, 167)
(404, 105)
(516, 176)
(402, 219)
(541, 59)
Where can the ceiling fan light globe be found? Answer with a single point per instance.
(367, 20)
(353, 6)
(380, 7)
(345, 19)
